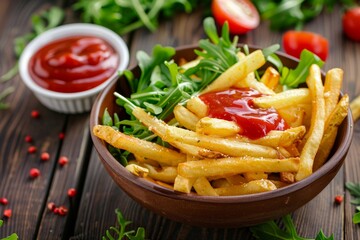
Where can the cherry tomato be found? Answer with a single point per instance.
(295, 41)
(351, 23)
(241, 15)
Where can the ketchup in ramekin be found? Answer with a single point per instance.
(73, 64)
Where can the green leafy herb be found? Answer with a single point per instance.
(271, 231)
(354, 189)
(285, 14)
(120, 231)
(13, 236)
(124, 16)
(292, 78)
(7, 91)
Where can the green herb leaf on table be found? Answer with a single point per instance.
(120, 231)
(13, 236)
(354, 189)
(271, 231)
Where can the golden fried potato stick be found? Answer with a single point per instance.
(331, 128)
(355, 108)
(217, 127)
(137, 170)
(316, 130)
(232, 166)
(285, 99)
(203, 187)
(197, 106)
(185, 117)
(165, 174)
(270, 78)
(277, 138)
(226, 146)
(255, 186)
(251, 176)
(238, 71)
(139, 147)
(251, 82)
(332, 87)
(183, 184)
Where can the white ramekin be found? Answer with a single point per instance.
(77, 102)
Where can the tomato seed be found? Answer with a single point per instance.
(338, 199)
(35, 114)
(31, 149)
(45, 156)
(72, 192)
(34, 173)
(63, 160)
(4, 201)
(7, 213)
(28, 138)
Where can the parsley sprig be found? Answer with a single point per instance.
(271, 231)
(354, 189)
(121, 232)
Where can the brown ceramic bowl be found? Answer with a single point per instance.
(229, 211)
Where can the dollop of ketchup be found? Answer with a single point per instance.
(73, 64)
(237, 105)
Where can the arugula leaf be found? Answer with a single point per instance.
(271, 231)
(120, 232)
(354, 189)
(13, 236)
(292, 78)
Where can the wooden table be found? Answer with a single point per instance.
(91, 212)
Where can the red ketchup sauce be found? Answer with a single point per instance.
(73, 64)
(237, 105)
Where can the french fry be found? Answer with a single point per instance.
(294, 116)
(270, 78)
(332, 87)
(285, 99)
(221, 182)
(251, 176)
(316, 131)
(185, 117)
(227, 146)
(355, 108)
(217, 127)
(197, 106)
(239, 70)
(256, 186)
(231, 147)
(183, 184)
(137, 170)
(139, 147)
(232, 166)
(165, 174)
(251, 82)
(278, 138)
(331, 127)
(203, 187)
(236, 179)
(287, 177)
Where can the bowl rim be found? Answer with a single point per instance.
(67, 30)
(108, 159)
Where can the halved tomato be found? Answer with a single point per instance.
(241, 15)
(295, 41)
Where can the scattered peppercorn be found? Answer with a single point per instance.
(31, 149)
(62, 211)
(71, 192)
(51, 206)
(45, 156)
(4, 201)
(7, 213)
(63, 160)
(28, 138)
(338, 199)
(61, 135)
(34, 173)
(35, 114)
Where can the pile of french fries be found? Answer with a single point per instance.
(210, 157)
